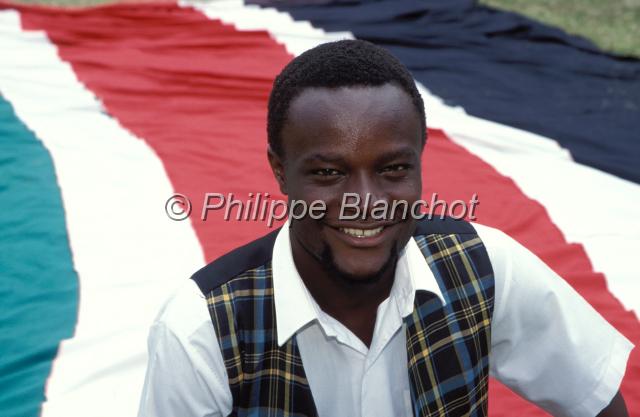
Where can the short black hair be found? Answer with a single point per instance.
(344, 63)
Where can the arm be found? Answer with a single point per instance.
(548, 344)
(616, 408)
(186, 375)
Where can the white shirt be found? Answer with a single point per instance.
(548, 344)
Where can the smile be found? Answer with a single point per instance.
(361, 233)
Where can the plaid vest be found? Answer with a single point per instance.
(447, 346)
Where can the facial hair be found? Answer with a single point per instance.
(329, 264)
(327, 261)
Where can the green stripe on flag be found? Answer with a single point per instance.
(38, 285)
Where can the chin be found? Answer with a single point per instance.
(361, 273)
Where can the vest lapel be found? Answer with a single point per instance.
(265, 379)
(448, 346)
(424, 376)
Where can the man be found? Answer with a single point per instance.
(370, 317)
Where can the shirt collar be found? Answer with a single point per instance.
(295, 307)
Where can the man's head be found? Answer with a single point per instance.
(346, 117)
(346, 63)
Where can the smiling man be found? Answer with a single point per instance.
(372, 317)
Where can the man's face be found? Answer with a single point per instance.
(363, 140)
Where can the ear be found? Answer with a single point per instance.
(277, 167)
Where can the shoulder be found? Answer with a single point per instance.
(184, 314)
(498, 243)
(235, 263)
(460, 236)
(500, 247)
(493, 238)
(184, 334)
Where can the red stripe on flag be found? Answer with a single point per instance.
(195, 90)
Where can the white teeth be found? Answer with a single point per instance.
(361, 232)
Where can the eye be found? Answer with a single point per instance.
(326, 172)
(396, 170)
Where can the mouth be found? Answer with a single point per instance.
(361, 233)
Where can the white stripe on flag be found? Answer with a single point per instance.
(129, 256)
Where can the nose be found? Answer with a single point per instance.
(369, 192)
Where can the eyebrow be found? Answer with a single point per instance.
(324, 157)
(401, 153)
(404, 152)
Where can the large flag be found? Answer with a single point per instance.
(107, 112)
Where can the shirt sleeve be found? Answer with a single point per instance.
(185, 375)
(548, 344)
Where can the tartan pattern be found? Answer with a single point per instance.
(265, 379)
(448, 346)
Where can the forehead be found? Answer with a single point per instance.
(351, 118)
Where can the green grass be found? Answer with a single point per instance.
(614, 25)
